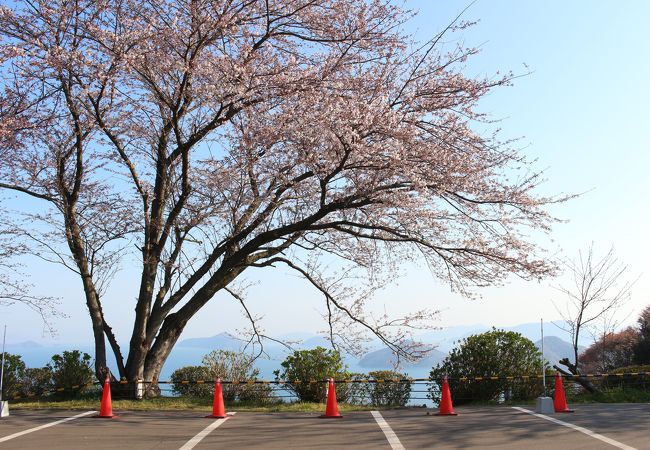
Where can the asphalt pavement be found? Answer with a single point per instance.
(590, 427)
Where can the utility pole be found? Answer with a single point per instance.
(4, 405)
(543, 360)
(544, 404)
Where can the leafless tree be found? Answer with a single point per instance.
(599, 288)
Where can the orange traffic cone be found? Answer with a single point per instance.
(218, 408)
(559, 399)
(446, 408)
(106, 407)
(331, 409)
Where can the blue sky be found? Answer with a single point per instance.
(581, 112)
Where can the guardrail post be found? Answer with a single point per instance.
(139, 389)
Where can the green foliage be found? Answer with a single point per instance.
(384, 393)
(317, 364)
(494, 353)
(36, 381)
(611, 394)
(157, 404)
(625, 382)
(14, 372)
(226, 365)
(192, 373)
(71, 368)
(642, 346)
(352, 393)
(389, 394)
(230, 365)
(632, 369)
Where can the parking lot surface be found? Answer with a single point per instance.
(590, 427)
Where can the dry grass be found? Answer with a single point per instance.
(181, 404)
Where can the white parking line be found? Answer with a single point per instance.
(203, 433)
(392, 438)
(47, 425)
(578, 428)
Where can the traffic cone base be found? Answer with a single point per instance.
(446, 414)
(446, 407)
(559, 399)
(218, 408)
(332, 408)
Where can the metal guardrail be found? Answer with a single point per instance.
(79, 387)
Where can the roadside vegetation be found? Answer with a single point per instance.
(202, 404)
(68, 381)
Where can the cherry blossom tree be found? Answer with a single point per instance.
(214, 136)
(13, 287)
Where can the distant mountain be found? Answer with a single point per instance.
(191, 351)
(313, 342)
(26, 345)
(385, 359)
(36, 355)
(555, 349)
(448, 338)
(221, 341)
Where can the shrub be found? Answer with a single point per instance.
(192, 373)
(227, 365)
(36, 381)
(235, 366)
(318, 365)
(627, 382)
(494, 353)
(632, 369)
(389, 393)
(354, 393)
(14, 372)
(72, 368)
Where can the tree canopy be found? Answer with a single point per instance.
(610, 351)
(495, 353)
(206, 137)
(642, 347)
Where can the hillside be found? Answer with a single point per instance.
(384, 359)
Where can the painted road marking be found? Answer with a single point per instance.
(47, 425)
(580, 429)
(203, 433)
(392, 438)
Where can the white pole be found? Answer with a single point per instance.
(2, 367)
(543, 362)
(544, 404)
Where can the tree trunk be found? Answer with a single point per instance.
(573, 371)
(157, 356)
(139, 344)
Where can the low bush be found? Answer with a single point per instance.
(389, 393)
(235, 366)
(72, 368)
(227, 365)
(192, 374)
(36, 381)
(315, 365)
(496, 353)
